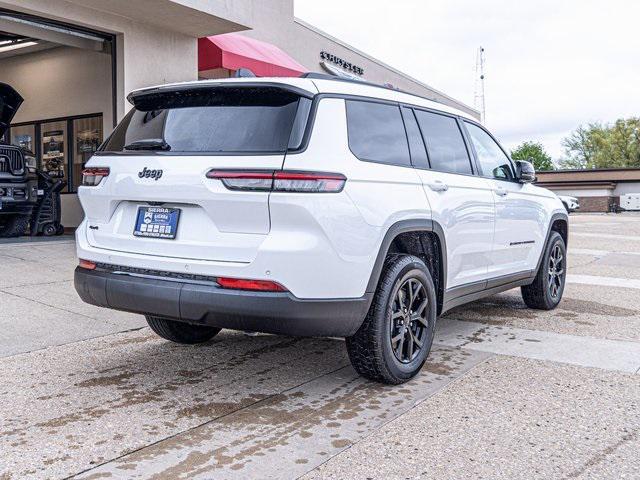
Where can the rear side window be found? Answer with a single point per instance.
(376, 133)
(445, 144)
(213, 120)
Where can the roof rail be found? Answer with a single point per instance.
(326, 76)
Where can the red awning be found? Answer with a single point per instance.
(234, 51)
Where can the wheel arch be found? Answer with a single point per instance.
(559, 222)
(421, 237)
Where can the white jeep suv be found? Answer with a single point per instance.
(311, 206)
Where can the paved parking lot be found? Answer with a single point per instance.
(506, 393)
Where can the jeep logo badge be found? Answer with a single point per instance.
(146, 173)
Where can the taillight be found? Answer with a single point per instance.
(244, 284)
(243, 180)
(310, 182)
(280, 181)
(91, 177)
(86, 264)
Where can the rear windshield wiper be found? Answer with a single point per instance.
(148, 144)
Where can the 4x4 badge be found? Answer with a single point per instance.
(146, 173)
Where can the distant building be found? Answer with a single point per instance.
(599, 190)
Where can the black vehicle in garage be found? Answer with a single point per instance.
(18, 179)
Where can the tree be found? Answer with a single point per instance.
(600, 145)
(533, 152)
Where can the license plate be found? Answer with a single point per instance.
(157, 222)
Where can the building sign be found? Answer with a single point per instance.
(348, 66)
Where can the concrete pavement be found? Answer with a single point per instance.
(506, 393)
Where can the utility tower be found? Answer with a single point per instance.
(478, 97)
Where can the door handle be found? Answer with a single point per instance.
(438, 186)
(501, 191)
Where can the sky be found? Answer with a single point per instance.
(550, 66)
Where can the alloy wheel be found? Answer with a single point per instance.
(556, 271)
(409, 320)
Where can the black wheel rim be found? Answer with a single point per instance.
(556, 271)
(409, 320)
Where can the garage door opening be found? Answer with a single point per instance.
(67, 76)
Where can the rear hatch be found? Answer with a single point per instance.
(158, 158)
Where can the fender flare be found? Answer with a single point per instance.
(556, 216)
(404, 226)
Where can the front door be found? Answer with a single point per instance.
(519, 226)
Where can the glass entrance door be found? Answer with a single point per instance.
(54, 152)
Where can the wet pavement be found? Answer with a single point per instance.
(506, 393)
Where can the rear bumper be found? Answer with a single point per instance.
(207, 304)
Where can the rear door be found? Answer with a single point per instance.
(520, 216)
(461, 202)
(159, 157)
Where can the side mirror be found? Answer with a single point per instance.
(525, 171)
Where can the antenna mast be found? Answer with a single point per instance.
(478, 98)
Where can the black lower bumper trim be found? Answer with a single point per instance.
(197, 303)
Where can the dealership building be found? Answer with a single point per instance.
(75, 61)
(598, 189)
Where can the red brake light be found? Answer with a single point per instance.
(280, 181)
(91, 177)
(86, 264)
(256, 285)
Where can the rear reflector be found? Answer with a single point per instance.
(280, 181)
(91, 177)
(256, 285)
(86, 264)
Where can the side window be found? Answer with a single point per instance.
(376, 133)
(416, 144)
(493, 162)
(445, 144)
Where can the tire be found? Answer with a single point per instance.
(180, 332)
(14, 226)
(382, 349)
(542, 294)
(60, 230)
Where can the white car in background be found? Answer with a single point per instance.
(314, 207)
(570, 203)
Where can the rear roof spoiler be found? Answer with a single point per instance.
(203, 86)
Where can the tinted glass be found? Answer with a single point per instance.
(445, 144)
(226, 120)
(493, 161)
(376, 133)
(416, 144)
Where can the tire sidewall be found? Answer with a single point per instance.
(417, 270)
(556, 239)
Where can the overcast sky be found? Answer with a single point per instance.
(550, 65)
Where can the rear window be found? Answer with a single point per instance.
(213, 120)
(376, 132)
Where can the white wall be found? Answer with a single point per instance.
(624, 188)
(60, 82)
